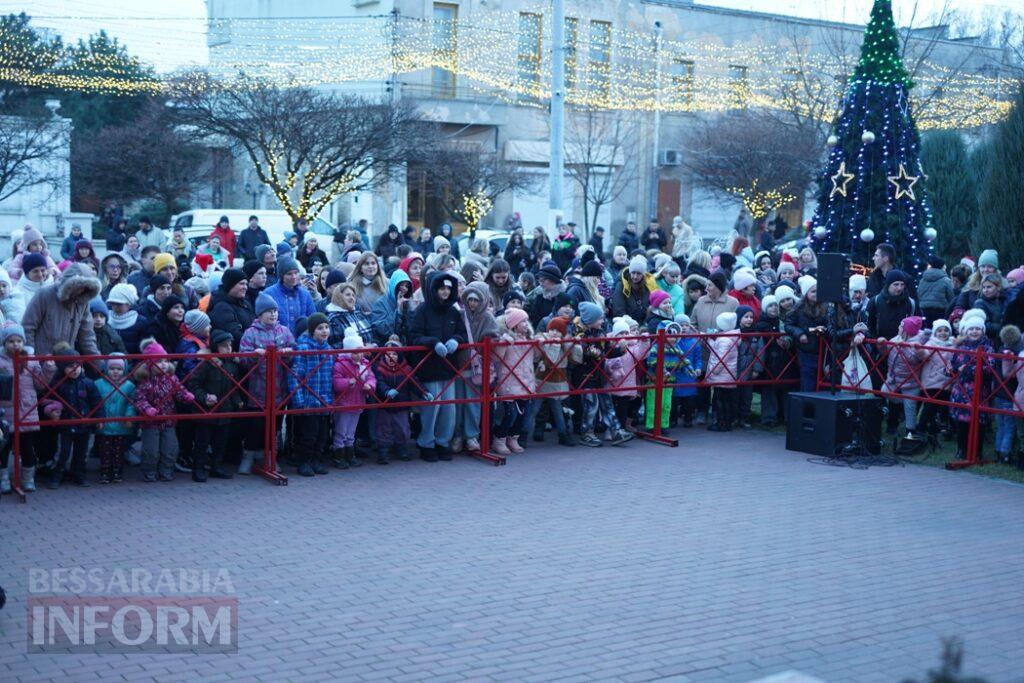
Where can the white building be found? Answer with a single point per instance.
(482, 67)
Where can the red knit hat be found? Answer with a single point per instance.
(204, 261)
(559, 323)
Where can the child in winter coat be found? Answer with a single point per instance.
(552, 378)
(311, 385)
(515, 377)
(963, 368)
(904, 372)
(395, 384)
(589, 328)
(1003, 399)
(353, 381)
(935, 378)
(264, 332)
(686, 368)
(1015, 368)
(723, 371)
(114, 437)
(624, 365)
(77, 398)
(749, 362)
(778, 356)
(214, 382)
(157, 389)
(12, 338)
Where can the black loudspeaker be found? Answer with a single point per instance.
(821, 423)
(833, 276)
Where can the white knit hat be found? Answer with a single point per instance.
(123, 294)
(972, 321)
(726, 322)
(352, 339)
(638, 264)
(858, 283)
(807, 283)
(783, 292)
(941, 322)
(768, 300)
(621, 326)
(743, 278)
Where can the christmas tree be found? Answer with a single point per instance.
(871, 189)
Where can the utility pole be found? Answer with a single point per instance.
(656, 134)
(557, 163)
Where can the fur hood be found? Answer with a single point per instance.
(76, 285)
(1010, 336)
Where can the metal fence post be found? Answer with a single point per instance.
(269, 469)
(485, 398)
(16, 419)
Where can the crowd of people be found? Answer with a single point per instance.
(562, 314)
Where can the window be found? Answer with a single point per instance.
(739, 85)
(572, 32)
(529, 48)
(682, 79)
(600, 57)
(444, 48)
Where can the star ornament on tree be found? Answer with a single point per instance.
(904, 183)
(840, 180)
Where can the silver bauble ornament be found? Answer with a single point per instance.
(867, 137)
(832, 141)
(820, 232)
(867, 235)
(930, 234)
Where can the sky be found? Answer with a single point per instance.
(174, 34)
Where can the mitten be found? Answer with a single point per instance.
(451, 345)
(440, 349)
(392, 394)
(151, 411)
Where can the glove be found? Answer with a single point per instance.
(151, 411)
(451, 345)
(440, 349)
(427, 396)
(392, 394)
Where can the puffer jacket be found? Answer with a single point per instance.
(632, 300)
(905, 362)
(993, 315)
(234, 316)
(117, 402)
(552, 366)
(723, 360)
(60, 312)
(934, 290)
(515, 367)
(934, 370)
(159, 391)
(436, 321)
(217, 377)
(750, 355)
(31, 381)
(260, 336)
(310, 380)
(353, 395)
(624, 370)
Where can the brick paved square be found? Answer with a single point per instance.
(726, 559)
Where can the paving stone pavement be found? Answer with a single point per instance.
(727, 559)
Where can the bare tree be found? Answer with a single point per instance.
(307, 146)
(466, 179)
(31, 149)
(602, 150)
(754, 156)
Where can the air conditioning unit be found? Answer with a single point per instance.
(671, 157)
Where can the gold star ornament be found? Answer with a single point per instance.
(840, 180)
(904, 183)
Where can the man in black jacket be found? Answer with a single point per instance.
(888, 308)
(252, 237)
(629, 238)
(597, 242)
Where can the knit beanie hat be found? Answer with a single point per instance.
(511, 295)
(260, 252)
(620, 326)
(514, 317)
(940, 322)
(161, 261)
(657, 297)
(284, 249)
(196, 321)
(786, 267)
(170, 302)
(335, 277)
(769, 300)
(264, 303)
(156, 282)
(558, 323)
(115, 362)
(726, 322)
(590, 312)
(204, 261)
(784, 292)
(593, 269)
(807, 283)
(972, 321)
(989, 257)
(549, 271)
(858, 283)
(1017, 275)
(250, 267)
(661, 260)
(352, 339)
(287, 265)
(97, 306)
(683, 319)
(11, 330)
(230, 278)
(743, 278)
(720, 280)
(895, 275)
(935, 261)
(32, 261)
(742, 311)
(441, 241)
(314, 321)
(912, 325)
(726, 260)
(218, 337)
(638, 264)
(123, 294)
(200, 284)
(153, 348)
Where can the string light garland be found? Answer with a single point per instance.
(475, 207)
(760, 202)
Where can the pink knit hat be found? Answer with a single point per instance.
(912, 325)
(658, 297)
(514, 317)
(1017, 275)
(154, 348)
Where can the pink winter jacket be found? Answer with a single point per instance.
(905, 363)
(345, 368)
(623, 371)
(934, 375)
(722, 361)
(515, 367)
(32, 379)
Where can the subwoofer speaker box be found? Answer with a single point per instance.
(833, 277)
(821, 423)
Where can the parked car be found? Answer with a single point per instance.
(199, 223)
(497, 238)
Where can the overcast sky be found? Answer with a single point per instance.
(154, 36)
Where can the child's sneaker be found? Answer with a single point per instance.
(591, 440)
(104, 479)
(166, 476)
(306, 470)
(620, 437)
(149, 477)
(473, 445)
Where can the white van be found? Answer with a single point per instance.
(199, 223)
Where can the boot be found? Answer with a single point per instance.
(382, 455)
(319, 466)
(5, 481)
(199, 475)
(512, 443)
(245, 466)
(428, 454)
(403, 453)
(566, 439)
(443, 453)
(306, 470)
(338, 458)
(350, 456)
(28, 479)
(498, 446)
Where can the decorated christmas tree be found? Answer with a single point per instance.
(872, 187)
